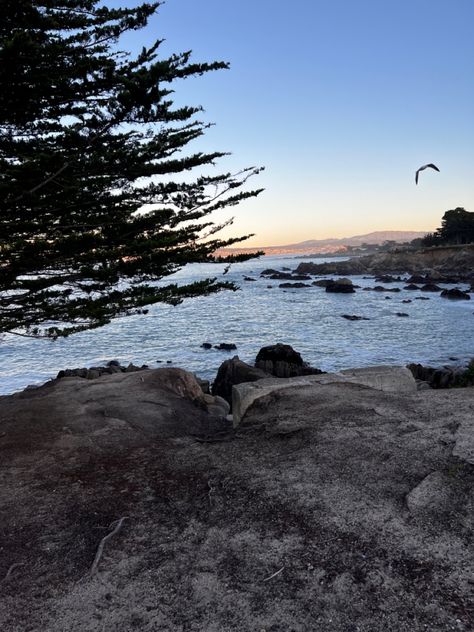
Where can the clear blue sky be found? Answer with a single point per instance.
(340, 100)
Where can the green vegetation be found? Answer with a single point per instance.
(88, 136)
(457, 227)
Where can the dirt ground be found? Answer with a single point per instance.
(334, 508)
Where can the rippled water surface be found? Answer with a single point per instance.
(309, 319)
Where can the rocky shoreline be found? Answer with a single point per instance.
(449, 264)
(282, 361)
(327, 501)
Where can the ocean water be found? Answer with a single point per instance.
(309, 319)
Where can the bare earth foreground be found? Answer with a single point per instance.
(332, 506)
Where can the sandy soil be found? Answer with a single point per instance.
(335, 508)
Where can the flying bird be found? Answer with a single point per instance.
(431, 165)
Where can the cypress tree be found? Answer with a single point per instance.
(89, 138)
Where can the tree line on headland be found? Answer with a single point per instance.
(457, 227)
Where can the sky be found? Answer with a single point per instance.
(340, 100)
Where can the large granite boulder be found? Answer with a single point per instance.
(234, 371)
(112, 412)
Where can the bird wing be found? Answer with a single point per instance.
(430, 164)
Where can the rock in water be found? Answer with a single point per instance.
(456, 294)
(293, 285)
(283, 361)
(340, 286)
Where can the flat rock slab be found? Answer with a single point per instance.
(336, 508)
(391, 379)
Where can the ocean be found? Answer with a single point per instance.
(309, 319)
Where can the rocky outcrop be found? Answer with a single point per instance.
(94, 372)
(282, 360)
(455, 263)
(322, 282)
(431, 287)
(232, 372)
(293, 285)
(444, 377)
(337, 506)
(391, 379)
(226, 346)
(276, 275)
(112, 411)
(455, 294)
(354, 317)
(340, 286)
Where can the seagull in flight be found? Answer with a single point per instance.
(431, 165)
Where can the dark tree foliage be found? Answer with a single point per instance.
(457, 227)
(88, 135)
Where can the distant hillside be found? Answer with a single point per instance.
(318, 246)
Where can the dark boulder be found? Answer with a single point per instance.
(206, 345)
(247, 278)
(95, 372)
(354, 317)
(322, 282)
(456, 294)
(226, 346)
(444, 377)
(283, 361)
(341, 286)
(280, 276)
(293, 285)
(286, 276)
(234, 371)
(386, 278)
(407, 300)
(269, 271)
(416, 278)
(430, 287)
(411, 286)
(380, 288)
(401, 314)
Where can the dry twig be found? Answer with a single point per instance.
(100, 548)
(11, 569)
(274, 574)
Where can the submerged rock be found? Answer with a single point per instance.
(354, 317)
